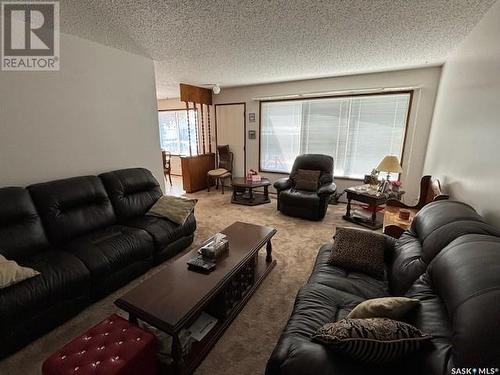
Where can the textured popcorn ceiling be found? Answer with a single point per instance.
(256, 41)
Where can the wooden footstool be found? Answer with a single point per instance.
(114, 346)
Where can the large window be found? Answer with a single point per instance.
(174, 131)
(357, 131)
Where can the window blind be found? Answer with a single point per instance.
(356, 131)
(174, 131)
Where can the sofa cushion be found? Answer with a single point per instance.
(21, 231)
(132, 191)
(431, 317)
(296, 354)
(466, 277)
(432, 229)
(300, 198)
(62, 277)
(163, 231)
(72, 207)
(355, 283)
(110, 250)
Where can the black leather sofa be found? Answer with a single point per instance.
(311, 205)
(449, 260)
(87, 236)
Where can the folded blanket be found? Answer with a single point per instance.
(176, 209)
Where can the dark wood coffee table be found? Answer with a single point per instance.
(243, 191)
(173, 298)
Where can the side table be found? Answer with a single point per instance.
(243, 191)
(372, 199)
(394, 226)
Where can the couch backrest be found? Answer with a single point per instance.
(432, 229)
(132, 191)
(72, 207)
(465, 277)
(21, 231)
(314, 162)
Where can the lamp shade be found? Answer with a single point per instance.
(389, 163)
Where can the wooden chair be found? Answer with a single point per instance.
(430, 191)
(167, 156)
(223, 170)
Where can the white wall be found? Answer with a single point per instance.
(98, 113)
(464, 146)
(426, 79)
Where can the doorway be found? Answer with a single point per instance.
(230, 125)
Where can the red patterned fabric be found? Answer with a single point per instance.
(113, 347)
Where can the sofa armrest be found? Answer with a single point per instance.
(327, 189)
(283, 184)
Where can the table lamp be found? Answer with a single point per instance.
(389, 164)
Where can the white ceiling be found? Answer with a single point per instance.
(242, 42)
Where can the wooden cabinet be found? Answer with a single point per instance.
(194, 171)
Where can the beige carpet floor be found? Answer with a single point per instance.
(248, 342)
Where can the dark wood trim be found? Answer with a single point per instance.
(244, 130)
(408, 113)
(195, 94)
(338, 96)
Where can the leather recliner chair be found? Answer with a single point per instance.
(311, 205)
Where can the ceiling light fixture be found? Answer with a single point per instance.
(216, 89)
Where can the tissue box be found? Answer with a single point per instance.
(213, 252)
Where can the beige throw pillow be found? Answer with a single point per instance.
(12, 273)
(176, 209)
(388, 307)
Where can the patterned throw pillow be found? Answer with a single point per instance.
(374, 340)
(307, 180)
(386, 307)
(359, 250)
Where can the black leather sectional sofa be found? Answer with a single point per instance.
(87, 236)
(449, 260)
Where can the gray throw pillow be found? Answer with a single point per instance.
(176, 209)
(307, 180)
(387, 307)
(359, 250)
(373, 340)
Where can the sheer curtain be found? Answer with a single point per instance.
(357, 131)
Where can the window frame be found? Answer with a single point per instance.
(179, 110)
(386, 93)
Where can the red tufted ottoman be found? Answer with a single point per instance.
(114, 346)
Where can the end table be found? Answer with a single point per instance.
(243, 191)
